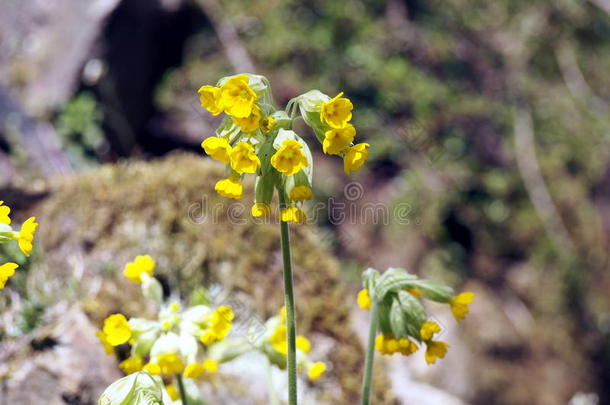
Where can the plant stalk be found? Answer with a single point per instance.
(370, 356)
(181, 389)
(289, 302)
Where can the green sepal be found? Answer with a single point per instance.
(397, 320)
(432, 290)
(385, 324)
(393, 280)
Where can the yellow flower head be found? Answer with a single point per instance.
(218, 325)
(293, 214)
(26, 235)
(131, 365)
(303, 344)
(301, 193)
(152, 368)
(428, 329)
(7, 270)
(289, 158)
(170, 363)
(117, 329)
(337, 111)
(218, 148)
(337, 139)
(229, 187)
(406, 347)
(141, 265)
(434, 350)
(104, 341)
(236, 97)
(244, 159)
(316, 370)
(194, 370)
(208, 96)
(261, 210)
(364, 300)
(267, 124)
(459, 305)
(210, 366)
(250, 123)
(4, 214)
(355, 157)
(172, 392)
(278, 339)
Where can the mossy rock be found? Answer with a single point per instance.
(93, 223)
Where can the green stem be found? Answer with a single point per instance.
(289, 300)
(370, 356)
(181, 389)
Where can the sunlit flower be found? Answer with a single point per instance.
(218, 148)
(7, 270)
(337, 139)
(250, 123)
(218, 325)
(337, 111)
(244, 159)
(172, 392)
(428, 329)
(301, 193)
(435, 350)
(194, 370)
(459, 305)
(316, 370)
(170, 363)
(289, 158)
(278, 339)
(131, 365)
(267, 124)
(117, 329)
(208, 97)
(229, 187)
(293, 214)
(26, 235)
(236, 97)
(364, 300)
(210, 366)
(152, 368)
(303, 344)
(261, 210)
(389, 345)
(4, 214)
(355, 157)
(140, 266)
(104, 341)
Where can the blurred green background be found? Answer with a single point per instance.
(489, 125)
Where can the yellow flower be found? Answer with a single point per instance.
(229, 187)
(301, 193)
(131, 365)
(104, 341)
(244, 159)
(236, 97)
(117, 329)
(293, 214)
(316, 370)
(7, 270)
(172, 392)
(141, 265)
(337, 111)
(364, 300)
(406, 347)
(152, 368)
(289, 158)
(278, 339)
(26, 235)
(355, 157)
(428, 329)
(170, 363)
(303, 344)
(267, 124)
(218, 148)
(261, 210)
(337, 139)
(414, 292)
(208, 97)
(194, 370)
(459, 305)
(210, 366)
(218, 325)
(250, 123)
(4, 214)
(434, 350)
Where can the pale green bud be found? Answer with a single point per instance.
(151, 289)
(135, 389)
(6, 233)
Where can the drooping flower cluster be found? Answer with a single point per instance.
(176, 342)
(402, 319)
(255, 138)
(24, 238)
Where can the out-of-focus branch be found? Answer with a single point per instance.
(525, 151)
(228, 37)
(575, 80)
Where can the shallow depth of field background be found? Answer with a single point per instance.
(489, 125)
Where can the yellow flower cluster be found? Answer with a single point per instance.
(402, 318)
(23, 237)
(255, 138)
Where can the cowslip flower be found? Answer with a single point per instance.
(337, 140)
(131, 365)
(7, 270)
(301, 193)
(390, 345)
(26, 235)
(364, 300)
(237, 97)
(208, 97)
(289, 158)
(4, 214)
(117, 329)
(229, 187)
(218, 148)
(250, 123)
(337, 112)
(244, 159)
(315, 370)
(261, 210)
(459, 305)
(141, 267)
(108, 348)
(267, 124)
(355, 157)
(170, 363)
(293, 214)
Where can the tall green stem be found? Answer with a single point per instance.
(370, 356)
(181, 389)
(289, 300)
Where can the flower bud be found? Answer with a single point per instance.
(6, 233)
(151, 289)
(135, 389)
